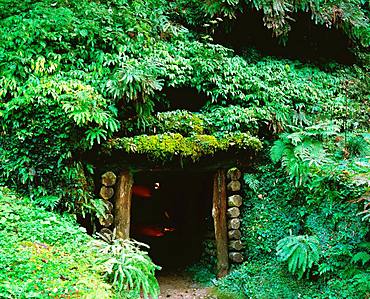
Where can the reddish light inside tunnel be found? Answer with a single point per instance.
(148, 230)
(141, 191)
(170, 211)
(151, 230)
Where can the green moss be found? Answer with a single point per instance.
(166, 146)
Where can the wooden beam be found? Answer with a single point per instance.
(117, 161)
(219, 217)
(123, 205)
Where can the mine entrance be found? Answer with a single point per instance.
(172, 213)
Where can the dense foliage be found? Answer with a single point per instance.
(316, 226)
(44, 255)
(278, 16)
(76, 73)
(82, 78)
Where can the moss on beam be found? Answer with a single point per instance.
(164, 147)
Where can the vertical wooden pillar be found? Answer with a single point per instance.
(123, 205)
(219, 217)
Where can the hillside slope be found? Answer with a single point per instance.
(44, 255)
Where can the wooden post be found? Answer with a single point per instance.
(219, 217)
(123, 205)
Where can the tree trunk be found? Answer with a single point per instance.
(123, 205)
(219, 217)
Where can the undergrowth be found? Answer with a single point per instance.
(314, 230)
(44, 255)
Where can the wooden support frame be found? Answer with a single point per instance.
(123, 205)
(220, 223)
(123, 196)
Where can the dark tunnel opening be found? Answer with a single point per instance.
(171, 212)
(183, 98)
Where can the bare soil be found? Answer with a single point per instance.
(180, 286)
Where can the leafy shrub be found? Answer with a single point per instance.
(44, 255)
(334, 224)
(302, 150)
(128, 268)
(272, 208)
(63, 117)
(355, 287)
(326, 206)
(265, 277)
(357, 145)
(301, 253)
(362, 257)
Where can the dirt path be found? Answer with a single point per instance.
(177, 286)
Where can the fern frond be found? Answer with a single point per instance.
(301, 253)
(251, 181)
(278, 150)
(362, 257)
(323, 130)
(295, 138)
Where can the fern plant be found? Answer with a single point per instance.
(251, 181)
(362, 256)
(357, 145)
(361, 266)
(127, 267)
(49, 202)
(136, 84)
(301, 253)
(302, 150)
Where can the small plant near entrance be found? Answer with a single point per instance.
(128, 268)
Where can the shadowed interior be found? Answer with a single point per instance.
(171, 212)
